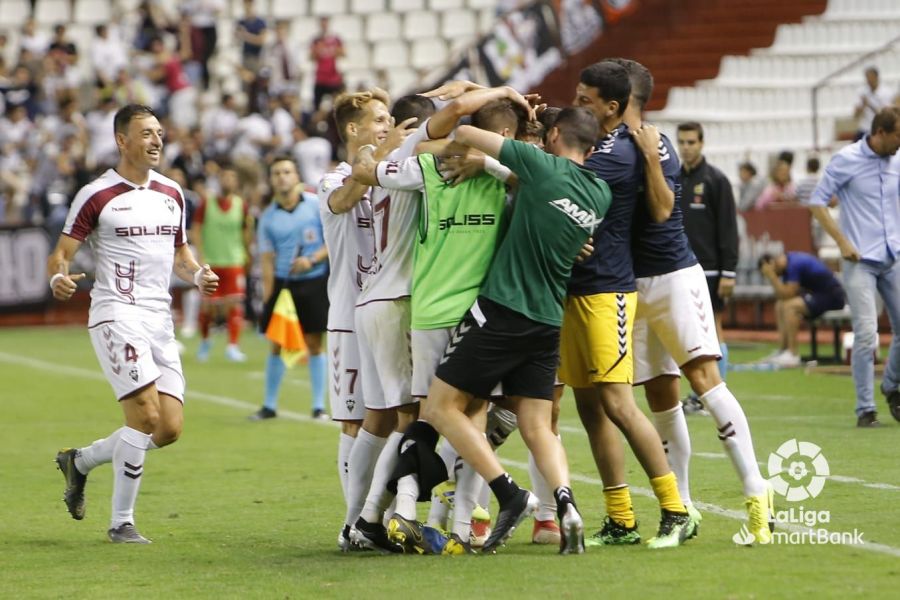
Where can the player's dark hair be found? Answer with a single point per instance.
(578, 128)
(498, 115)
(692, 126)
(414, 105)
(128, 112)
(282, 158)
(611, 81)
(764, 259)
(641, 80)
(548, 117)
(886, 120)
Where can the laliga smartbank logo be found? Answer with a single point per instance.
(797, 472)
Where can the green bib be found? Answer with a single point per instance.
(223, 233)
(459, 231)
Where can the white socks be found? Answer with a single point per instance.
(98, 453)
(407, 494)
(361, 467)
(468, 485)
(378, 498)
(673, 431)
(345, 443)
(128, 467)
(734, 431)
(547, 509)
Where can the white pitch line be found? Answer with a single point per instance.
(240, 404)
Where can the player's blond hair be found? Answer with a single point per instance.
(350, 108)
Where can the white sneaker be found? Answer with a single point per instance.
(768, 358)
(787, 359)
(234, 354)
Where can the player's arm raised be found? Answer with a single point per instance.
(488, 142)
(443, 121)
(188, 269)
(62, 284)
(660, 197)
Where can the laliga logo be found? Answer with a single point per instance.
(797, 470)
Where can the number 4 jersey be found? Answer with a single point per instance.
(133, 231)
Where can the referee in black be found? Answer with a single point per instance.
(710, 220)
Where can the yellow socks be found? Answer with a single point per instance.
(618, 505)
(666, 490)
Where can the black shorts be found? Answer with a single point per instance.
(822, 302)
(311, 300)
(496, 344)
(718, 304)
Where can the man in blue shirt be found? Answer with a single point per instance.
(293, 255)
(804, 287)
(865, 177)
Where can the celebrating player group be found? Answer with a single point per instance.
(484, 251)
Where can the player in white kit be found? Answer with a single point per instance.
(346, 211)
(133, 218)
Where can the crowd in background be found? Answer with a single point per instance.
(57, 106)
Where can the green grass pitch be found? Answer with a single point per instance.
(252, 510)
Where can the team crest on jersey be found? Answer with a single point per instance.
(309, 236)
(134, 373)
(581, 216)
(170, 204)
(350, 402)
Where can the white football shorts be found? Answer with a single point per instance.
(345, 391)
(674, 323)
(134, 354)
(382, 329)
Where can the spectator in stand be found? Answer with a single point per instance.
(202, 15)
(220, 127)
(108, 56)
(281, 58)
(252, 33)
(806, 185)
(62, 43)
(283, 122)
(312, 153)
(153, 21)
(133, 90)
(182, 97)
(804, 288)
(33, 41)
(23, 91)
(190, 159)
(864, 177)
(101, 132)
(325, 50)
(15, 131)
(750, 187)
(781, 190)
(254, 139)
(872, 97)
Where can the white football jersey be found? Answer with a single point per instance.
(348, 237)
(395, 217)
(133, 231)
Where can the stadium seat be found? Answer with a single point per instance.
(92, 11)
(458, 22)
(428, 53)
(420, 25)
(404, 6)
(303, 30)
(444, 4)
(349, 27)
(401, 81)
(359, 78)
(287, 9)
(357, 55)
(367, 7)
(389, 54)
(14, 12)
(487, 19)
(482, 4)
(327, 8)
(51, 12)
(382, 27)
